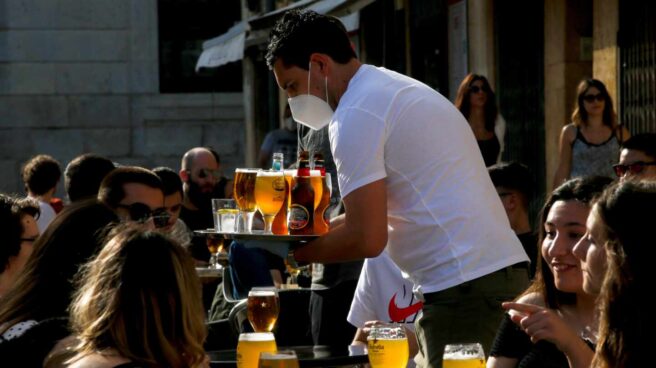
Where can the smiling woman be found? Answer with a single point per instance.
(555, 308)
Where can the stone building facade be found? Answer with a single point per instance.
(81, 76)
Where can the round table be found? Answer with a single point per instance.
(308, 356)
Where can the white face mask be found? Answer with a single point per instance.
(310, 110)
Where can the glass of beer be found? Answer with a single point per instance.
(250, 346)
(263, 307)
(388, 346)
(317, 185)
(279, 359)
(244, 194)
(463, 356)
(269, 194)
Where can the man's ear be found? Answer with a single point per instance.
(184, 175)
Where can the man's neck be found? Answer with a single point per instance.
(46, 197)
(521, 225)
(343, 75)
(186, 203)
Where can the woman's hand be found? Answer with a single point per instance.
(541, 323)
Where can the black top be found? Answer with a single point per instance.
(32, 347)
(129, 365)
(530, 243)
(512, 342)
(490, 149)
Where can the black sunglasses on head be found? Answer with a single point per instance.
(590, 98)
(633, 168)
(141, 213)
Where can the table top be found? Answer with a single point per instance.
(308, 356)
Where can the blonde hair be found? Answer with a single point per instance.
(141, 297)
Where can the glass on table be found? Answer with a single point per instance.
(263, 307)
(279, 359)
(215, 244)
(244, 194)
(463, 356)
(387, 346)
(269, 195)
(225, 215)
(250, 346)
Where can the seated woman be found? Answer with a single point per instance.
(550, 317)
(139, 305)
(620, 239)
(35, 310)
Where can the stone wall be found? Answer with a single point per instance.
(81, 76)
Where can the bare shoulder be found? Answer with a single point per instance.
(569, 132)
(99, 361)
(532, 298)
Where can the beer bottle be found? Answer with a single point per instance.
(303, 163)
(319, 163)
(279, 225)
(300, 218)
(321, 215)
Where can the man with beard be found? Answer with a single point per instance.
(202, 181)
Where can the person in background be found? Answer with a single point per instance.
(590, 145)
(19, 232)
(284, 140)
(84, 174)
(123, 315)
(514, 185)
(616, 255)
(40, 175)
(476, 101)
(411, 178)
(34, 313)
(552, 322)
(384, 295)
(637, 157)
(201, 177)
(172, 184)
(135, 194)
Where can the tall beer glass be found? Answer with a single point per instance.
(279, 359)
(263, 307)
(317, 186)
(251, 345)
(269, 195)
(388, 346)
(244, 194)
(463, 356)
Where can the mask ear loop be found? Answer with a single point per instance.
(326, 84)
(309, 72)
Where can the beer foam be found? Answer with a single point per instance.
(269, 173)
(460, 355)
(247, 170)
(315, 173)
(256, 336)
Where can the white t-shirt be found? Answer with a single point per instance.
(446, 224)
(46, 215)
(383, 294)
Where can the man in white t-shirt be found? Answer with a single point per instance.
(412, 180)
(384, 295)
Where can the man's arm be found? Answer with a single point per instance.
(362, 234)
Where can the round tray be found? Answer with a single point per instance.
(259, 235)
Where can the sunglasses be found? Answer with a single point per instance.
(29, 240)
(590, 98)
(204, 173)
(142, 213)
(634, 168)
(476, 89)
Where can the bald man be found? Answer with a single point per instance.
(202, 181)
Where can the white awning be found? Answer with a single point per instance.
(229, 46)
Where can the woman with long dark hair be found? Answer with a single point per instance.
(477, 102)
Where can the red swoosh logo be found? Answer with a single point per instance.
(399, 314)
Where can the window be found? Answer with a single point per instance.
(183, 27)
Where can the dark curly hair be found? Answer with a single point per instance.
(40, 174)
(300, 33)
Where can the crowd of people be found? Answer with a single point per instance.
(429, 228)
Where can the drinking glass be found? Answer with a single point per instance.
(244, 194)
(317, 185)
(250, 346)
(279, 359)
(387, 346)
(225, 215)
(463, 356)
(269, 195)
(263, 307)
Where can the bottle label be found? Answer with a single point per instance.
(298, 217)
(326, 216)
